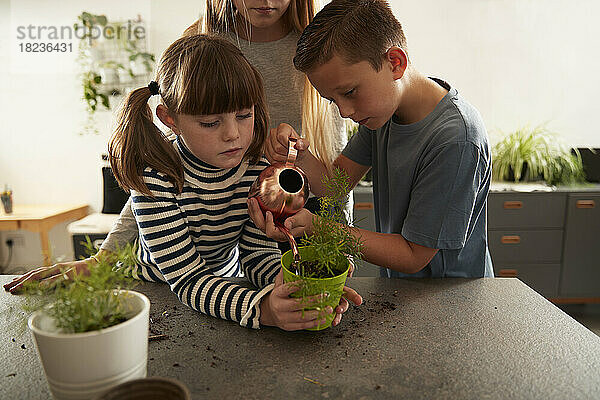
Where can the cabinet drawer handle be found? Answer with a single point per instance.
(363, 206)
(513, 205)
(511, 239)
(508, 273)
(585, 204)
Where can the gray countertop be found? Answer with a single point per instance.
(451, 338)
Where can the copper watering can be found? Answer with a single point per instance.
(283, 190)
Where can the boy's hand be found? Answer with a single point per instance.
(297, 224)
(349, 294)
(276, 145)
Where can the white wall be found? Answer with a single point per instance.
(42, 156)
(519, 61)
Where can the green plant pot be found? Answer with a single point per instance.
(314, 286)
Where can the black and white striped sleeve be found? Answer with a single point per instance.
(163, 228)
(259, 255)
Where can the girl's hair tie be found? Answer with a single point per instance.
(154, 88)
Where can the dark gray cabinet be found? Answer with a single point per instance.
(580, 275)
(525, 237)
(526, 210)
(543, 278)
(525, 246)
(549, 240)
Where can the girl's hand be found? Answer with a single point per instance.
(280, 310)
(276, 145)
(49, 274)
(297, 224)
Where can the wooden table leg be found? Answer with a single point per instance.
(45, 240)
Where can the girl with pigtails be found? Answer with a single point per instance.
(189, 194)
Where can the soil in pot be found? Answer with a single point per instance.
(312, 269)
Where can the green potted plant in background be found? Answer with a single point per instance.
(110, 66)
(532, 154)
(90, 329)
(326, 253)
(90, 76)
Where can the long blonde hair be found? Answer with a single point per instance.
(317, 114)
(197, 75)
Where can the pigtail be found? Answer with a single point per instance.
(137, 143)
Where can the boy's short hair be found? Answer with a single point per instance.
(356, 30)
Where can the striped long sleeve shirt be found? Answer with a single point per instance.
(195, 239)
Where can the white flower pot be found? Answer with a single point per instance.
(84, 365)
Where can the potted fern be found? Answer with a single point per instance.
(326, 253)
(532, 154)
(90, 329)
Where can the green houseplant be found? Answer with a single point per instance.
(109, 67)
(326, 253)
(531, 154)
(91, 81)
(89, 328)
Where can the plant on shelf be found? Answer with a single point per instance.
(90, 78)
(326, 253)
(90, 329)
(532, 154)
(101, 77)
(137, 57)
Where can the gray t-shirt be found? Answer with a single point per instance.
(283, 87)
(430, 184)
